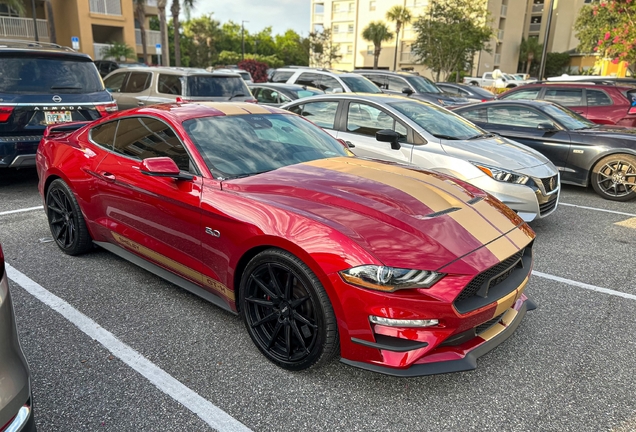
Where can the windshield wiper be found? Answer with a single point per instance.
(238, 176)
(236, 95)
(484, 135)
(448, 137)
(65, 88)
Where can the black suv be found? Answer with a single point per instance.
(43, 84)
(409, 84)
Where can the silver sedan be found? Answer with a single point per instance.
(428, 136)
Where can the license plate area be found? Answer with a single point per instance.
(55, 117)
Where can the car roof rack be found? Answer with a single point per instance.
(18, 43)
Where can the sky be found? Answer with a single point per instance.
(280, 14)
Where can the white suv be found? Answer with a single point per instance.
(329, 81)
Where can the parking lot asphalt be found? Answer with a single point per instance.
(569, 366)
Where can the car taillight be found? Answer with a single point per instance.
(5, 113)
(107, 109)
(632, 110)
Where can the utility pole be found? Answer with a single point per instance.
(546, 39)
(35, 22)
(243, 40)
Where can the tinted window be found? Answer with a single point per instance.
(104, 134)
(530, 94)
(330, 85)
(516, 116)
(377, 79)
(297, 109)
(142, 138)
(309, 79)
(397, 84)
(306, 92)
(477, 115)
(423, 85)
(359, 84)
(169, 84)
(137, 82)
(250, 144)
(266, 95)
(321, 113)
(597, 98)
(367, 120)
(566, 97)
(281, 77)
(567, 117)
(204, 85)
(115, 82)
(48, 75)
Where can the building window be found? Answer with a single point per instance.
(8, 11)
(319, 28)
(535, 20)
(372, 5)
(319, 8)
(370, 49)
(336, 28)
(351, 7)
(336, 7)
(350, 28)
(349, 49)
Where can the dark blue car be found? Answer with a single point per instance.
(43, 84)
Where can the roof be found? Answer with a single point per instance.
(370, 97)
(385, 72)
(186, 111)
(525, 102)
(282, 86)
(25, 46)
(178, 71)
(576, 84)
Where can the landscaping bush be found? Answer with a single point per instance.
(256, 68)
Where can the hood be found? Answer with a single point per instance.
(610, 131)
(495, 151)
(405, 218)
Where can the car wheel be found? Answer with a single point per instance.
(287, 311)
(66, 220)
(614, 177)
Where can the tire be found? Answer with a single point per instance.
(66, 221)
(474, 83)
(614, 177)
(287, 312)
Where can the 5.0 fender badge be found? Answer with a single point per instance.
(212, 232)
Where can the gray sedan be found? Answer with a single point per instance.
(431, 137)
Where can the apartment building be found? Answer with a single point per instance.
(96, 23)
(511, 20)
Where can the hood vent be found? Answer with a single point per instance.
(439, 213)
(475, 200)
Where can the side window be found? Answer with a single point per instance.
(330, 85)
(477, 115)
(377, 79)
(308, 79)
(565, 97)
(104, 134)
(530, 94)
(283, 98)
(114, 83)
(397, 84)
(169, 84)
(137, 82)
(516, 116)
(281, 77)
(297, 109)
(142, 138)
(321, 113)
(597, 98)
(255, 91)
(367, 120)
(266, 95)
(488, 76)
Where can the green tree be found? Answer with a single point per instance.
(140, 17)
(263, 42)
(17, 5)
(322, 51)
(119, 51)
(450, 34)
(376, 32)
(199, 40)
(529, 50)
(292, 49)
(556, 64)
(400, 15)
(231, 37)
(175, 9)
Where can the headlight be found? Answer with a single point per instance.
(389, 279)
(502, 175)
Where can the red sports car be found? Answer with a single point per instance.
(259, 211)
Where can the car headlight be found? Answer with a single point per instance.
(390, 279)
(502, 175)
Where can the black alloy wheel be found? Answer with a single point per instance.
(65, 220)
(614, 177)
(287, 312)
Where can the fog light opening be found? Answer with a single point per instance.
(390, 322)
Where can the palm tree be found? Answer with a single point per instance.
(140, 16)
(400, 15)
(17, 5)
(529, 50)
(376, 32)
(163, 29)
(118, 51)
(51, 21)
(176, 10)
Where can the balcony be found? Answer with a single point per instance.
(105, 7)
(408, 58)
(500, 35)
(153, 37)
(537, 8)
(504, 11)
(319, 17)
(342, 37)
(535, 27)
(342, 16)
(151, 3)
(23, 28)
(497, 59)
(97, 50)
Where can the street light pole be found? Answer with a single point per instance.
(546, 39)
(243, 40)
(35, 22)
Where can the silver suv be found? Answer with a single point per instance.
(138, 86)
(329, 81)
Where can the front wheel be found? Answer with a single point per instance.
(66, 220)
(287, 312)
(614, 177)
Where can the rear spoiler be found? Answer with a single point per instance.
(63, 128)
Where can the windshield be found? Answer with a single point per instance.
(48, 75)
(437, 121)
(203, 85)
(299, 94)
(243, 145)
(481, 91)
(359, 84)
(423, 85)
(245, 75)
(567, 117)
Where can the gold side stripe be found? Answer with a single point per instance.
(174, 265)
(519, 237)
(509, 300)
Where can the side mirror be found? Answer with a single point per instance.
(163, 167)
(548, 127)
(390, 136)
(407, 91)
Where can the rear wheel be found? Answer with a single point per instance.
(614, 177)
(66, 220)
(287, 312)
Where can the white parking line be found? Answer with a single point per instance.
(597, 209)
(21, 210)
(209, 413)
(584, 285)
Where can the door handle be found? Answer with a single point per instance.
(108, 177)
(140, 103)
(350, 144)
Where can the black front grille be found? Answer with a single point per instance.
(505, 268)
(550, 180)
(485, 326)
(548, 207)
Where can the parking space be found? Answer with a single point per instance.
(568, 366)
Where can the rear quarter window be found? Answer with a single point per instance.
(597, 98)
(220, 86)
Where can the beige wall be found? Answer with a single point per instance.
(562, 35)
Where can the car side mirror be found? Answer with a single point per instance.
(407, 91)
(390, 136)
(548, 127)
(163, 167)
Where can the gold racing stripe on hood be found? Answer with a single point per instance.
(236, 108)
(520, 237)
(502, 248)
